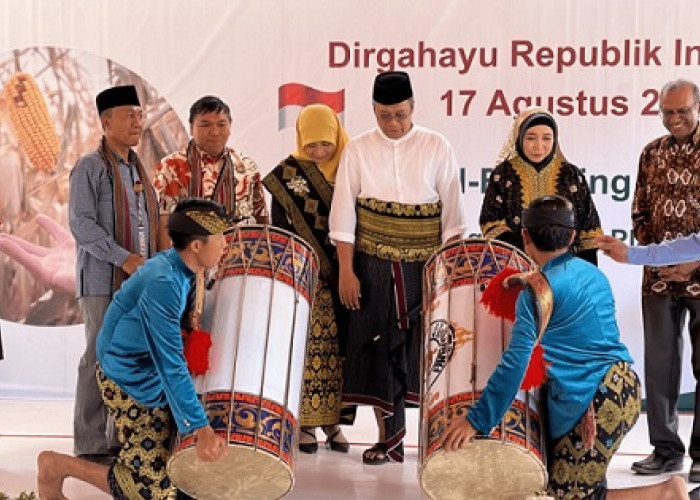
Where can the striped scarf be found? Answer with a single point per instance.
(122, 220)
(224, 190)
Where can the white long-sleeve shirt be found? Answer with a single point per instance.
(420, 167)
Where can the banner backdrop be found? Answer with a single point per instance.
(596, 65)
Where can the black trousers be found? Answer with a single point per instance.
(664, 318)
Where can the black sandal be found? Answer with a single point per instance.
(336, 445)
(380, 454)
(309, 448)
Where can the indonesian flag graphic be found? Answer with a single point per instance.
(294, 96)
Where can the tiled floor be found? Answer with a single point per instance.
(26, 427)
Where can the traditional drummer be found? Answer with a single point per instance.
(593, 394)
(397, 198)
(142, 372)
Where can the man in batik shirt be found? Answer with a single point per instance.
(207, 168)
(666, 207)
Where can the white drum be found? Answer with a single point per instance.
(252, 391)
(462, 345)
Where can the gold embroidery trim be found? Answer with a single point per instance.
(396, 231)
(535, 184)
(494, 229)
(587, 238)
(401, 209)
(210, 221)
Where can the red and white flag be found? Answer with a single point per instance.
(294, 96)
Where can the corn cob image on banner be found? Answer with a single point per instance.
(31, 121)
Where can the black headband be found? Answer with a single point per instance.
(198, 222)
(539, 217)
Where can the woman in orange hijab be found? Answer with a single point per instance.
(302, 188)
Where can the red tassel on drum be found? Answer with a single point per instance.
(499, 300)
(536, 372)
(197, 344)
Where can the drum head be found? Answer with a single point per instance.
(486, 469)
(245, 473)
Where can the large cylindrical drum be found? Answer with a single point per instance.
(261, 308)
(462, 346)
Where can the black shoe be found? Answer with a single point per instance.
(657, 464)
(694, 474)
(694, 494)
(311, 447)
(331, 439)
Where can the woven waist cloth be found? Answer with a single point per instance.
(398, 231)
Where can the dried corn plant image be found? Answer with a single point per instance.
(47, 121)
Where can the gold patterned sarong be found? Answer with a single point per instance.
(144, 433)
(321, 400)
(576, 472)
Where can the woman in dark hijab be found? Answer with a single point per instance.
(532, 165)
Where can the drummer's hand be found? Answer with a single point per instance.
(458, 434)
(210, 447)
(612, 247)
(349, 289)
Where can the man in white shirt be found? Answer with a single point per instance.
(397, 198)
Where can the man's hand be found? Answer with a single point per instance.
(458, 434)
(209, 447)
(679, 272)
(612, 247)
(348, 284)
(349, 289)
(132, 263)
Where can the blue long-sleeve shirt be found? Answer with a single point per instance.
(666, 253)
(140, 344)
(581, 342)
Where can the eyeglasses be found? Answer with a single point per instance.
(387, 117)
(682, 112)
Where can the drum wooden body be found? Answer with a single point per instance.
(462, 346)
(261, 308)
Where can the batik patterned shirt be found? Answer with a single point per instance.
(172, 178)
(667, 205)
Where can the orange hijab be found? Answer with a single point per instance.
(316, 123)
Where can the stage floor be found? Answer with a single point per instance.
(27, 427)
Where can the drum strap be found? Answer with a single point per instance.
(588, 432)
(541, 292)
(507, 284)
(192, 315)
(196, 313)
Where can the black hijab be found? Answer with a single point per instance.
(532, 121)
